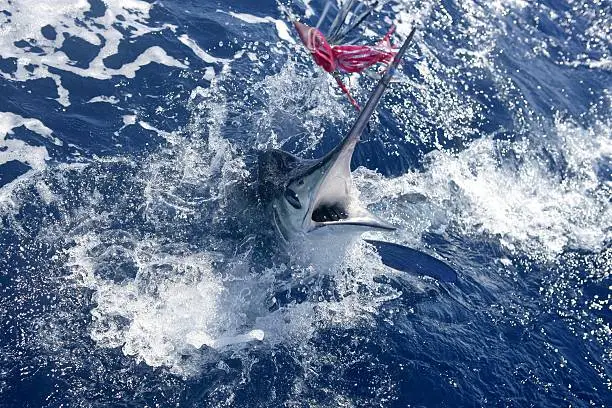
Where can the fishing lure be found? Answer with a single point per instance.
(338, 58)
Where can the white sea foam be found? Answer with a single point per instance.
(10, 121)
(527, 207)
(281, 26)
(103, 98)
(169, 136)
(175, 303)
(14, 149)
(28, 17)
(129, 120)
(152, 54)
(209, 74)
(203, 55)
(604, 64)
(309, 10)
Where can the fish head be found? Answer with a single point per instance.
(314, 197)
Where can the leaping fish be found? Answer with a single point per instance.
(308, 199)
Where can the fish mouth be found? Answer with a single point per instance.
(352, 217)
(329, 213)
(333, 204)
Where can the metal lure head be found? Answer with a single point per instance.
(316, 43)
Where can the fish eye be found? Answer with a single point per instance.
(292, 198)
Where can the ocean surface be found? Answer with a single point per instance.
(137, 268)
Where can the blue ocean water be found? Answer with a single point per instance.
(138, 268)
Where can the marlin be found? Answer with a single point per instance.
(312, 199)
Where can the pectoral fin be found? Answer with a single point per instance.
(412, 261)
